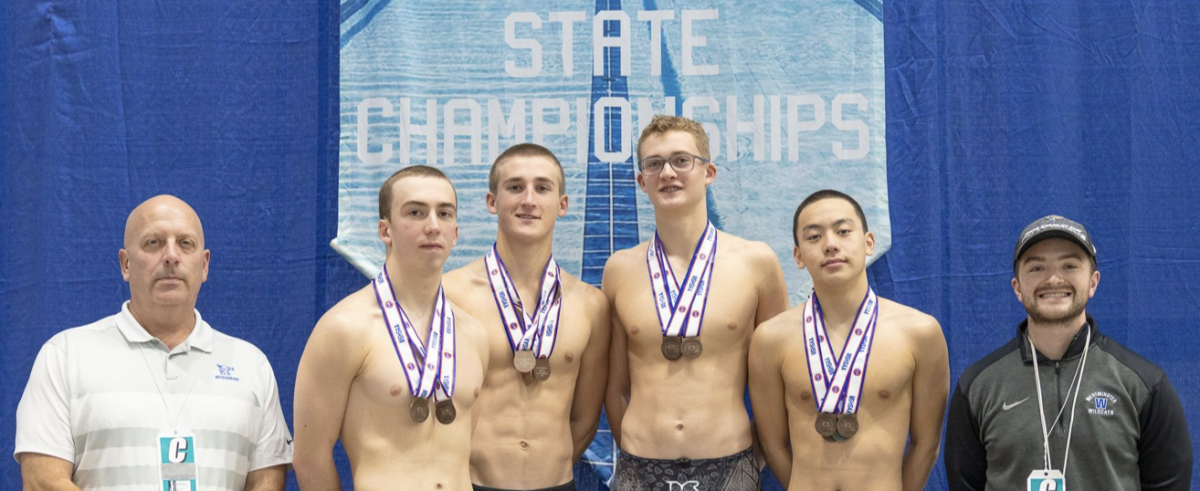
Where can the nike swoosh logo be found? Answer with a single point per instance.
(1007, 406)
(289, 440)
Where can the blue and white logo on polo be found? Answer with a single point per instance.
(225, 372)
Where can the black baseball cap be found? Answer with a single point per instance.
(1053, 227)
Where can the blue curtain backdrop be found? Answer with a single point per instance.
(998, 112)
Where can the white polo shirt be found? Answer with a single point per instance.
(94, 399)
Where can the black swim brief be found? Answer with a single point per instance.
(738, 472)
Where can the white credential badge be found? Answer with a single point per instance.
(1046, 480)
(177, 460)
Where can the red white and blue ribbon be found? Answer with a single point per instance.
(837, 381)
(525, 333)
(681, 312)
(427, 375)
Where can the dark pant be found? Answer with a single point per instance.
(570, 486)
(738, 472)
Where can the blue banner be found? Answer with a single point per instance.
(791, 96)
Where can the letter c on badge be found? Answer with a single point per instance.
(178, 450)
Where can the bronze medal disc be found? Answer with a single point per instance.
(445, 411)
(826, 424)
(527, 377)
(419, 409)
(692, 347)
(542, 369)
(524, 361)
(847, 424)
(672, 347)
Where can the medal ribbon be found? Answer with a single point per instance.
(837, 382)
(427, 375)
(540, 332)
(677, 314)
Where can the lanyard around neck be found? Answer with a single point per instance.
(1076, 381)
(172, 423)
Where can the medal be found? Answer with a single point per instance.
(680, 307)
(847, 425)
(524, 361)
(419, 410)
(826, 425)
(672, 347)
(541, 371)
(531, 338)
(445, 411)
(837, 381)
(430, 369)
(527, 377)
(692, 347)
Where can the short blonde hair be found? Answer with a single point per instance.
(526, 150)
(662, 124)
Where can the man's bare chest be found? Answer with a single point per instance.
(725, 315)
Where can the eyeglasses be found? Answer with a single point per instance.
(680, 162)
